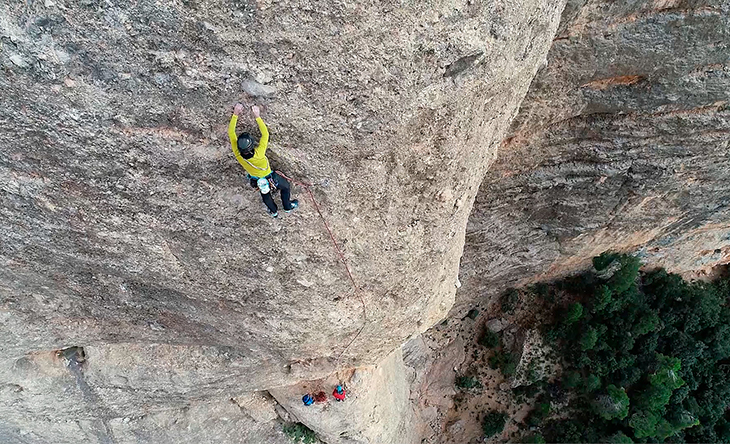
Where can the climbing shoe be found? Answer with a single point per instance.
(294, 206)
(274, 214)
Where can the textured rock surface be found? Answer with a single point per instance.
(622, 143)
(128, 228)
(535, 363)
(44, 401)
(431, 362)
(377, 408)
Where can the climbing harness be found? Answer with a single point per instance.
(307, 187)
(264, 184)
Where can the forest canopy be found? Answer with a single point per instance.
(645, 357)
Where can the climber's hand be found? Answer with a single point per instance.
(256, 111)
(238, 109)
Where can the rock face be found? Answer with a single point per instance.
(622, 143)
(46, 401)
(376, 410)
(128, 229)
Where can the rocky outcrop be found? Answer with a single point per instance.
(621, 143)
(431, 364)
(46, 400)
(128, 229)
(376, 410)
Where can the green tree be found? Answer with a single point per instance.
(661, 384)
(719, 341)
(298, 432)
(679, 421)
(538, 414)
(573, 314)
(588, 339)
(723, 430)
(467, 382)
(614, 404)
(565, 431)
(667, 373)
(591, 383)
(649, 322)
(571, 380)
(651, 354)
(493, 423)
(504, 361)
(626, 275)
(644, 424)
(603, 261)
(489, 339)
(619, 438)
(601, 298)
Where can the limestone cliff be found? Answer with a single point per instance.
(621, 143)
(129, 230)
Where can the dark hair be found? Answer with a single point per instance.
(246, 145)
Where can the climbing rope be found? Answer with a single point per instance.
(307, 187)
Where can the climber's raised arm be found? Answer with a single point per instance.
(232, 128)
(264, 141)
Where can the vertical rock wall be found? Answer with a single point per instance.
(127, 228)
(622, 143)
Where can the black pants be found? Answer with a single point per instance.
(281, 184)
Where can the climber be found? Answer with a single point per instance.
(339, 393)
(252, 157)
(307, 399)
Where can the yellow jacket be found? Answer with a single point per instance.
(258, 165)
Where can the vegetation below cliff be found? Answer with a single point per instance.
(628, 356)
(645, 356)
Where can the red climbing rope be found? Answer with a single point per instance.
(307, 187)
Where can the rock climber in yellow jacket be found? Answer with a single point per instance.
(252, 157)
